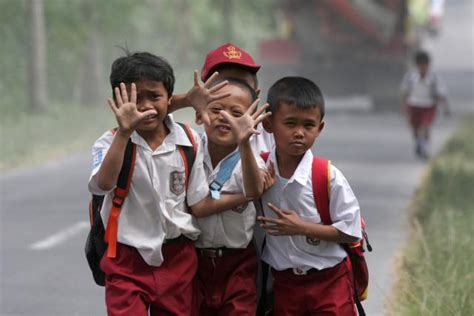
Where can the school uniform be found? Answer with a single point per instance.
(156, 260)
(226, 253)
(422, 95)
(311, 276)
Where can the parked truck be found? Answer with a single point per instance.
(349, 47)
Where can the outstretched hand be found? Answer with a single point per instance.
(125, 110)
(244, 126)
(287, 223)
(199, 96)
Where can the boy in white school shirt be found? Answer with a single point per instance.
(227, 256)
(155, 261)
(422, 93)
(309, 269)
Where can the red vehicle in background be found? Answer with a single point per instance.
(349, 47)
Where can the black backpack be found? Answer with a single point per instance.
(96, 245)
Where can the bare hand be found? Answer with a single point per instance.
(244, 126)
(126, 112)
(199, 96)
(269, 177)
(287, 223)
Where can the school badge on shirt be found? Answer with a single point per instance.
(177, 182)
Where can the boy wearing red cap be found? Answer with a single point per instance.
(230, 61)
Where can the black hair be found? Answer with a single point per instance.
(298, 91)
(225, 66)
(142, 66)
(240, 83)
(422, 57)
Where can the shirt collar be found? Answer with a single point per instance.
(176, 137)
(302, 172)
(207, 156)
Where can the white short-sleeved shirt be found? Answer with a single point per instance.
(296, 193)
(232, 228)
(263, 142)
(422, 92)
(155, 208)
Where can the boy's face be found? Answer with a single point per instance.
(236, 104)
(151, 95)
(422, 68)
(294, 129)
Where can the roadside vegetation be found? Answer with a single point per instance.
(436, 269)
(33, 138)
(56, 58)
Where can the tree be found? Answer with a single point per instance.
(37, 76)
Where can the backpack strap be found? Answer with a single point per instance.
(224, 174)
(188, 153)
(321, 178)
(120, 193)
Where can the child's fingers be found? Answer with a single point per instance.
(123, 89)
(196, 78)
(218, 86)
(211, 79)
(278, 211)
(271, 170)
(254, 105)
(205, 118)
(112, 105)
(146, 114)
(260, 118)
(261, 110)
(118, 97)
(227, 117)
(218, 97)
(133, 93)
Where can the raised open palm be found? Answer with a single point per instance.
(125, 110)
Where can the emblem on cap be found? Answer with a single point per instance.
(177, 182)
(232, 53)
(313, 241)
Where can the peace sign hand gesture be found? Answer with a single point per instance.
(125, 110)
(287, 223)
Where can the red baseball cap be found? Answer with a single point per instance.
(227, 54)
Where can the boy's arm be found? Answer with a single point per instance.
(199, 96)
(128, 117)
(243, 127)
(289, 223)
(209, 206)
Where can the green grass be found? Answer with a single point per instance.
(33, 138)
(437, 267)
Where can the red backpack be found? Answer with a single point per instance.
(321, 178)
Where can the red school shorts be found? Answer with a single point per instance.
(133, 287)
(421, 116)
(227, 283)
(326, 292)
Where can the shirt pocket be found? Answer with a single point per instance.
(307, 244)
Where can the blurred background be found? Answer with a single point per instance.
(55, 62)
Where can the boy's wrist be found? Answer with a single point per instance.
(125, 134)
